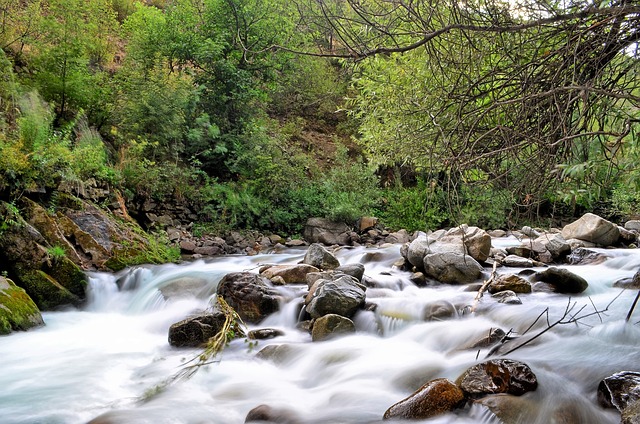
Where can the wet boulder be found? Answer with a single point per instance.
(452, 267)
(319, 257)
(290, 274)
(196, 331)
(17, 311)
(342, 296)
(489, 338)
(515, 261)
(354, 270)
(439, 310)
(498, 376)
(561, 280)
(265, 333)
(250, 295)
(321, 230)
(330, 326)
(584, 256)
(555, 244)
(477, 242)
(451, 256)
(437, 397)
(270, 414)
(510, 282)
(619, 390)
(629, 283)
(507, 297)
(592, 228)
(631, 414)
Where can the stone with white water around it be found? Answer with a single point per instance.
(592, 228)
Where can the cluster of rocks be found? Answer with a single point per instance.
(332, 297)
(367, 232)
(332, 294)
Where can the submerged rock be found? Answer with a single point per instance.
(437, 397)
(498, 376)
(265, 333)
(509, 409)
(270, 414)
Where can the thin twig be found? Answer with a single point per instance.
(633, 306)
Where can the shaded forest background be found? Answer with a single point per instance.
(262, 113)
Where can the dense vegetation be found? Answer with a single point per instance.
(262, 113)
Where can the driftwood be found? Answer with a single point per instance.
(568, 317)
(484, 288)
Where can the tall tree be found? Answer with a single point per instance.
(513, 93)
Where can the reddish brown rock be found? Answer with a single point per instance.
(437, 397)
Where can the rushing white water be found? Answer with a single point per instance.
(112, 356)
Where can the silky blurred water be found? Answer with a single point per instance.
(112, 357)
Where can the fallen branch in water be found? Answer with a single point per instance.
(633, 306)
(568, 317)
(484, 288)
(231, 329)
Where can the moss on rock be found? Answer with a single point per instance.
(18, 312)
(46, 292)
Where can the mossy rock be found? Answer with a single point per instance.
(69, 275)
(18, 312)
(126, 256)
(46, 292)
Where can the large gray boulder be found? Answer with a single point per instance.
(451, 256)
(476, 241)
(555, 244)
(342, 296)
(592, 228)
(452, 267)
(250, 295)
(321, 230)
(319, 257)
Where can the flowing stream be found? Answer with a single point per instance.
(112, 357)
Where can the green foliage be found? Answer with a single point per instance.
(89, 156)
(422, 208)
(56, 253)
(10, 216)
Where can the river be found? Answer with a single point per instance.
(112, 357)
